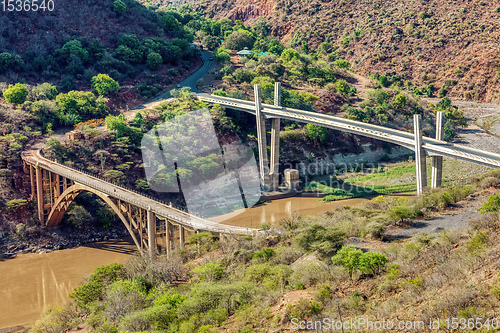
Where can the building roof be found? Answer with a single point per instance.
(245, 51)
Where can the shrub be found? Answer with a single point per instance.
(124, 296)
(6, 60)
(348, 257)
(402, 213)
(492, 205)
(209, 272)
(266, 254)
(317, 134)
(324, 240)
(15, 93)
(104, 84)
(239, 40)
(154, 60)
(93, 289)
(119, 7)
(46, 91)
(372, 262)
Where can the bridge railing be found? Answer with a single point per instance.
(125, 187)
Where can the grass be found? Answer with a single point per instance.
(361, 185)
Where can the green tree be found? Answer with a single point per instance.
(211, 42)
(6, 61)
(78, 216)
(240, 39)
(154, 60)
(119, 7)
(317, 134)
(343, 87)
(170, 22)
(46, 91)
(342, 64)
(399, 100)
(402, 213)
(348, 257)
(16, 204)
(15, 93)
(492, 205)
(104, 84)
(114, 176)
(372, 262)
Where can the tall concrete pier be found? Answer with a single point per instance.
(275, 141)
(437, 161)
(419, 155)
(262, 141)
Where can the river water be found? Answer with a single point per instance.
(278, 210)
(30, 282)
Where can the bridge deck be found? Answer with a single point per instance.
(161, 210)
(432, 147)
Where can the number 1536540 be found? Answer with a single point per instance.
(27, 5)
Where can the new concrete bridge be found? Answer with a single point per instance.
(423, 146)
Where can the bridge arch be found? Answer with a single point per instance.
(68, 196)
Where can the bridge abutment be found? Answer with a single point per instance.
(437, 161)
(419, 155)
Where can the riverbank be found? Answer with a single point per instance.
(41, 240)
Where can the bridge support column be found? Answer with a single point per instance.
(262, 140)
(167, 237)
(275, 141)
(33, 181)
(39, 193)
(182, 236)
(151, 233)
(419, 155)
(437, 161)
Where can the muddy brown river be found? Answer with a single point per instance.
(277, 210)
(30, 282)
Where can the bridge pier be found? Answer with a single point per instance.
(437, 161)
(419, 155)
(275, 141)
(151, 233)
(39, 194)
(262, 140)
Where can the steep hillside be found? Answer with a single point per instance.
(452, 44)
(78, 39)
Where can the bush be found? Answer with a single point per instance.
(104, 84)
(240, 39)
(492, 205)
(45, 91)
(318, 238)
(154, 60)
(349, 258)
(93, 289)
(372, 262)
(123, 297)
(6, 60)
(119, 7)
(209, 272)
(15, 93)
(317, 134)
